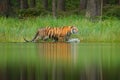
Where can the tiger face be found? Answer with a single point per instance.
(74, 30)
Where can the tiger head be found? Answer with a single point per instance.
(74, 30)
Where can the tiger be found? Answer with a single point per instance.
(54, 33)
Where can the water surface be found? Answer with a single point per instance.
(59, 61)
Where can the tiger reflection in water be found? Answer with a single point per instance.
(60, 51)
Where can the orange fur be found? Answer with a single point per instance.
(55, 33)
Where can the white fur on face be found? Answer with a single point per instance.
(74, 30)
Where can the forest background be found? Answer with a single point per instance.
(97, 20)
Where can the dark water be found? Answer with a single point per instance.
(59, 61)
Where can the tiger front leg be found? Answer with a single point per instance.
(55, 39)
(67, 38)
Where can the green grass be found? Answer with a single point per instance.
(13, 29)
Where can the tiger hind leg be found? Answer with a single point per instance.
(45, 38)
(36, 39)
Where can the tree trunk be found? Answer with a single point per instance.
(119, 2)
(83, 4)
(24, 4)
(32, 3)
(61, 5)
(93, 9)
(4, 7)
(45, 4)
(54, 8)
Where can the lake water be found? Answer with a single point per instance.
(59, 61)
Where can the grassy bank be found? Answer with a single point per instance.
(13, 29)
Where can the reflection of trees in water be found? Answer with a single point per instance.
(92, 72)
(59, 61)
(63, 52)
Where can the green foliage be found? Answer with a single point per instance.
(14, 3)
(72, 7)
(112, 11)
(112, 1)
(71, 4)
(31, 12)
